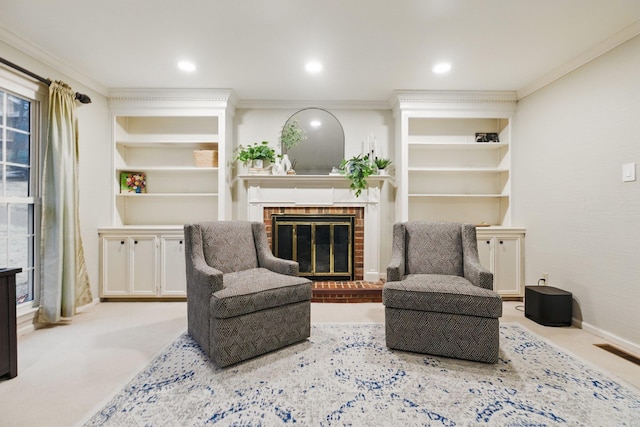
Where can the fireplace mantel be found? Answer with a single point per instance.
(321, 190)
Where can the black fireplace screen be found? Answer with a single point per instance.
(321, 244)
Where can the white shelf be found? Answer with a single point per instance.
(144, 195)
(458, 195)
(164, 140)
(458, 145)
(457, 170)
(169, 169)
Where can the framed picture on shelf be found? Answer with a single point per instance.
(133, 182)
(487, 137)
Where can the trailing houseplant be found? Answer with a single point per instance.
(257, 151)
(357, 169)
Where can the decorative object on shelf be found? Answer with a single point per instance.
(133, 182)
(205, 158)
(292, 134)
(487, 137)
(286, 164)
(382, 165)
(357, 169)
(255, 155)
(277, 168)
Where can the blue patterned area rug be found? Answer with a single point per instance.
(344, 375)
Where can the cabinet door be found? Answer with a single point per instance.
(173, 282)
(507, 280)
(114, 279)
(143, 266)
(485, 249)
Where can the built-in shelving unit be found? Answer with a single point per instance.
(156, 133)
(444, 173)
(162, 147)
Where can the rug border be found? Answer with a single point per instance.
(104, 402)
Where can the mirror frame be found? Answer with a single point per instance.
(306, 160)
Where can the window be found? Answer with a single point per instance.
(19, 233)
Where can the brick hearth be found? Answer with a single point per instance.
(347, 292)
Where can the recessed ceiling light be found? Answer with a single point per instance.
(187, 66)
(441, 68)
(313, 67)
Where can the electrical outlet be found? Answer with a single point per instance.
(545, 276)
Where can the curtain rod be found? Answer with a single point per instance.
(84, 99)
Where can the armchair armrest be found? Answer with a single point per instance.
(477, 274)
(395, 269)
(203, 280)
(473, 270)
(266, 259)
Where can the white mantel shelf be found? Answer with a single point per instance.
(321, 190)
(321, 179)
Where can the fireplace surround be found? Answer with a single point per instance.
(322, 194)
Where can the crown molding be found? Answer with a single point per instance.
(405, 100)
(56, 64)
(297, 104)
(161, 98)
(595, 52)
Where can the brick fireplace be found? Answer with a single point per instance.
(358, 238)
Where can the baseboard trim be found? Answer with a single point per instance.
(624, 344)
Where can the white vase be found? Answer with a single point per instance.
(286, 163)
(277, 168)
(258, 163)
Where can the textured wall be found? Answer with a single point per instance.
(583, 223)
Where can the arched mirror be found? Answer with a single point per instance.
(313, 139)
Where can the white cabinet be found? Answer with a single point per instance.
(501, 251)
(142, 263)
(129, 266)
(173, 279)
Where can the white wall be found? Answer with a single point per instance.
(265, 124)
(95, 157)
(583, 222)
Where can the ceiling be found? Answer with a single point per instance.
(368, 47)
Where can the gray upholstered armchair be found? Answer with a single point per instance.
(438, 298)
(241, 300)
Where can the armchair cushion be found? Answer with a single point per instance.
(442, 294)
(257, 289)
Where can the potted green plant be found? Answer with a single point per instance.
(357, 169)
(292, 134)
(382, 165)
(255, 154)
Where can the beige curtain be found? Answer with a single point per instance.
(65, 283)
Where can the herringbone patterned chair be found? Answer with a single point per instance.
(438, 298)
(241, 300)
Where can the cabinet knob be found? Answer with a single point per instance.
(180, 241)
(135, 242)
(488, 242)
(122, 242)
(501, 242)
